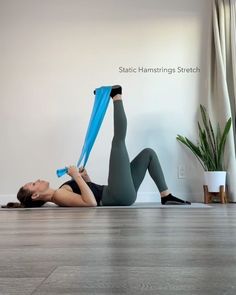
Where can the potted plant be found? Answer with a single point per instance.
(209, 150)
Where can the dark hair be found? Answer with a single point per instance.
(24, 196)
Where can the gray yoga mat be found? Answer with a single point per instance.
(138, 205)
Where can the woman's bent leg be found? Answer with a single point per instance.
(147, 160)
(120, 190)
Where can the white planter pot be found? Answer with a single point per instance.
(214, 179)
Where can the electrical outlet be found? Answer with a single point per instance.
(181, 171)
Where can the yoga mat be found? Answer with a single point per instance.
(138, 205)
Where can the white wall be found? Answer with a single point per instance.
(54, 53)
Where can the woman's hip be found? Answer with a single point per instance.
(119, 197)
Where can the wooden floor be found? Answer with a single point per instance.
(115, 251)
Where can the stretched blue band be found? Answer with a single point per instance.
(102, 99)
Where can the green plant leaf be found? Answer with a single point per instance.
(209, 150)
(194, 148)
(207, 128)
(223, 141)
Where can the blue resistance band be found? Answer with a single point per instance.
(102, 99)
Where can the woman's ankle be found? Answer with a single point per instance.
(165, 193)
(117, 97)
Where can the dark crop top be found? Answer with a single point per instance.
(95, 188)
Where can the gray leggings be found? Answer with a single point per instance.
(124, 177)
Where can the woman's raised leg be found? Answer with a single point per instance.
(120, 190)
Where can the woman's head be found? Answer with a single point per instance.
(25, 198)
(31, 195)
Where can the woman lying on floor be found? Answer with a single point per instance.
(124, 178)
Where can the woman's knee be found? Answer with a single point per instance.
(149, 152)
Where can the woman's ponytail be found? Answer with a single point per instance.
(13, 205)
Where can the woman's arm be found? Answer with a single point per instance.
(86, 193)
(63, 197)
(66, 198)
(84, 174)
